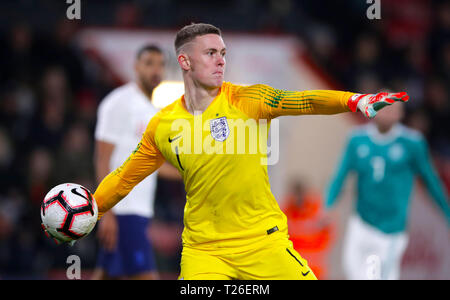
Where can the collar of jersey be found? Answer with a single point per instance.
(183, 104)
(383, 138)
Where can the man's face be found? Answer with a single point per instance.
(206, 55)
(149, 69)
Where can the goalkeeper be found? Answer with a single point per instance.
(233, 226)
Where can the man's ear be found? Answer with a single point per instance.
(183, 61)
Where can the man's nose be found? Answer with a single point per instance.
(221, 61)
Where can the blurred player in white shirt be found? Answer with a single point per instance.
(125, 250)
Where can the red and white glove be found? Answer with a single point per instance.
(370, 104)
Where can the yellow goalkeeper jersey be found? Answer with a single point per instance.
(220, 155)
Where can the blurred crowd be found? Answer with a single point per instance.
(50, 90)
(47, 115)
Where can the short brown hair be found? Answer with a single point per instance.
(190, 32)
(148, 48)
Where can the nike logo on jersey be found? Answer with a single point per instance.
(175, 138)
(304, 274)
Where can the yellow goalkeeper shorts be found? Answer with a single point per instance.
(274, 261)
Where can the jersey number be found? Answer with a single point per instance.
(378, 166)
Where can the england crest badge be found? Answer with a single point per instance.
(219, 129)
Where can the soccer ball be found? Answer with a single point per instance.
(68, 212)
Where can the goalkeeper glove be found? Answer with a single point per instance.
(370, 104)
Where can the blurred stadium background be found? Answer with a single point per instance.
(55, 71)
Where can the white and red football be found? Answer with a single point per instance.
(69, 212)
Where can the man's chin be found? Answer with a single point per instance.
(148, 87)
(218, 81)
(214, 85)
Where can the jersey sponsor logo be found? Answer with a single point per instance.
(219, 129)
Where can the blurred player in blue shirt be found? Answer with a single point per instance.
(386, 156)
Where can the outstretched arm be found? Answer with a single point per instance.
(334, 188)
(265, 102)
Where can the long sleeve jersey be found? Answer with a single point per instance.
(229, 203)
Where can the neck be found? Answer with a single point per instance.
(198, 97)
(147, 93)
(383, 137)
(384, 129)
